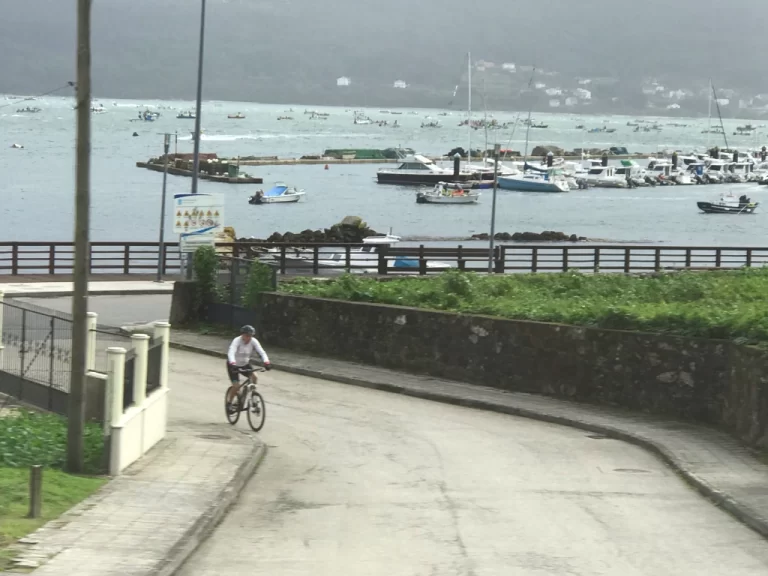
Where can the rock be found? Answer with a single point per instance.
(544, 150)
(546, 236)
(352, 229)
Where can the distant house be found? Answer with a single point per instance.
(343, 81)
(554, 92)
(723, 101)
(400, 84)
(571, 101)
(585, 81)
(554, 103)
(509, 67)
(583, 94)
(540, 86)
(673, 107)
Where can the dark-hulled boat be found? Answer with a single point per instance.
(729, 205)
(416, 169)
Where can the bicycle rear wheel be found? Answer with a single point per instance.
(257, 411)
(233, 415)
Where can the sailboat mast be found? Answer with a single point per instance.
(469, 106)
(719, 115)
(709, 122)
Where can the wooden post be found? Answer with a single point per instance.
(657, 260)
(282, 259)
(382, 261)
(315, 260)
(422, 262)
(534, 260)
(35, 491)
(565, 258)
(126, 259)
(749, 258)
(15, 258)
(596, 261)
(501, 252)
(627, 260)
(348, 258)
(52, 259)
(460, 258)
(687, 257)
(718, 258)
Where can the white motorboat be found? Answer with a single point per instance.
(186, 116)
(278, 194)
(417, 169)
(605, 177)
(448, 193)
(663, 170)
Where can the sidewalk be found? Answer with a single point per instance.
(148, 521)
(95, 287)
(713, 462)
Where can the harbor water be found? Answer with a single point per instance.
(38, 180)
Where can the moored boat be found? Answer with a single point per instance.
(278, 194)
(551, 180)
(237, 116)
(417, 169)
(448, 193)
(186, 116)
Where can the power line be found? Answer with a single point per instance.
(60, 88)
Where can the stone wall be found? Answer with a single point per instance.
(707, 381)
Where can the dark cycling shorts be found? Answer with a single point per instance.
(233, 372)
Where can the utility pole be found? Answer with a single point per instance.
(161, 241)
(199, 103)
(76, 408)
(496, 150)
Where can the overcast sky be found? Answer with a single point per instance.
(270, 49)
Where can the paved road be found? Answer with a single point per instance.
(368, 483)
(116, 310)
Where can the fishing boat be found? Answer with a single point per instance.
(448, 193)
(278, 194)
(237, 116)
(186, 116)
(729, 204)
(28, 110)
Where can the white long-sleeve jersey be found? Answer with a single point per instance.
(240, 353)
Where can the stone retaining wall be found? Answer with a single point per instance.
(712, 382)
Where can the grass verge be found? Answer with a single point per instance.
(61, 491)
(719, 304)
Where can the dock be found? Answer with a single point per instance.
(222, 178)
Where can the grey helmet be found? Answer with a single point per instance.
(248, 329)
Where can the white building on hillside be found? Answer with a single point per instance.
(343, 81)
(400, 84)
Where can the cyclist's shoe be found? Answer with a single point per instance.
(232, 408)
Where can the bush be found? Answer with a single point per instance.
(260, 279)
(718, 304)
(206, 267)
(30, 438)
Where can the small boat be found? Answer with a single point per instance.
(186, 116)
(533, 181)
(28, 110)
(540, 125)
(729, 204)
(448, 193)
(284, 118)
(237, 116)
(18, 146)
(98, 109)
(279, 193)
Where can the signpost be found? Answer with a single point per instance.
(197, 218)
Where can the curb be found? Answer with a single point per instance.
(62, 293)
(206, 523)
(717, 497)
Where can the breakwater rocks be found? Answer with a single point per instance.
(546, 236)
(351, 229)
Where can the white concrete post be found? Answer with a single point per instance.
(141, 349)
(115, 382)
(90, 343)
(163, 333)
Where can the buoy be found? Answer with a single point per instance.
(19, 146)
(135, 134)
(326, 166)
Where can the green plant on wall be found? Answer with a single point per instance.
(260, 279)
(206, 267)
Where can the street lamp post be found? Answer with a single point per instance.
(161, 240)
(496, 150)
(199, 103)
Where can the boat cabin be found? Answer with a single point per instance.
(419, 162)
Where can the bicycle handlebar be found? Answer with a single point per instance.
(251, 369)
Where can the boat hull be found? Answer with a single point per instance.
(422, 198)
(522, 185)
(286, 198)
(710, 208)
(391, 177)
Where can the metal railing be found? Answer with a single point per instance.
(328, 258)
(104, 338)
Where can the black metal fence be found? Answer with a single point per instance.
(154, 365)
(36, 360)
(108, 338)
(128, 380)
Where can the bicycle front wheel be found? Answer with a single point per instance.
(257, 411)
(232, 409)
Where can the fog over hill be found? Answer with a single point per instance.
(292, 51)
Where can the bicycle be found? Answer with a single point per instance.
(247, 400)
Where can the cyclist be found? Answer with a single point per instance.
(239, 356)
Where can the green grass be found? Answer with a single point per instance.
(719, 304)
(60, 492)
(31, 438)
